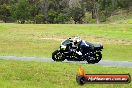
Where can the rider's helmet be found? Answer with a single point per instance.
(76, 40)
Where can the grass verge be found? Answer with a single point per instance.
(22, 74)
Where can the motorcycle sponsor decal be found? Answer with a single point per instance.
(83, 78)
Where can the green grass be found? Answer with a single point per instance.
(117, 52)
(22, 74)
(28, 39)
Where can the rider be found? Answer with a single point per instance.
(81, 45)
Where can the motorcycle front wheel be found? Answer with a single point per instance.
(57, 56)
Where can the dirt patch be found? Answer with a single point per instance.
(97, 40)
(56, 39)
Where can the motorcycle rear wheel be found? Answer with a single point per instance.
(87, 58)
(98, 57)
(91, 61)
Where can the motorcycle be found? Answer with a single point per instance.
(67, 51)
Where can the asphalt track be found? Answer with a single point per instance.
(102, 62)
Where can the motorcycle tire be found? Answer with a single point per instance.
(98, 58)
(89, 61)
(57, 56)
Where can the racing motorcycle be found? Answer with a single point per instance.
(67, 51)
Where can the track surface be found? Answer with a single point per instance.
(102, 62)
